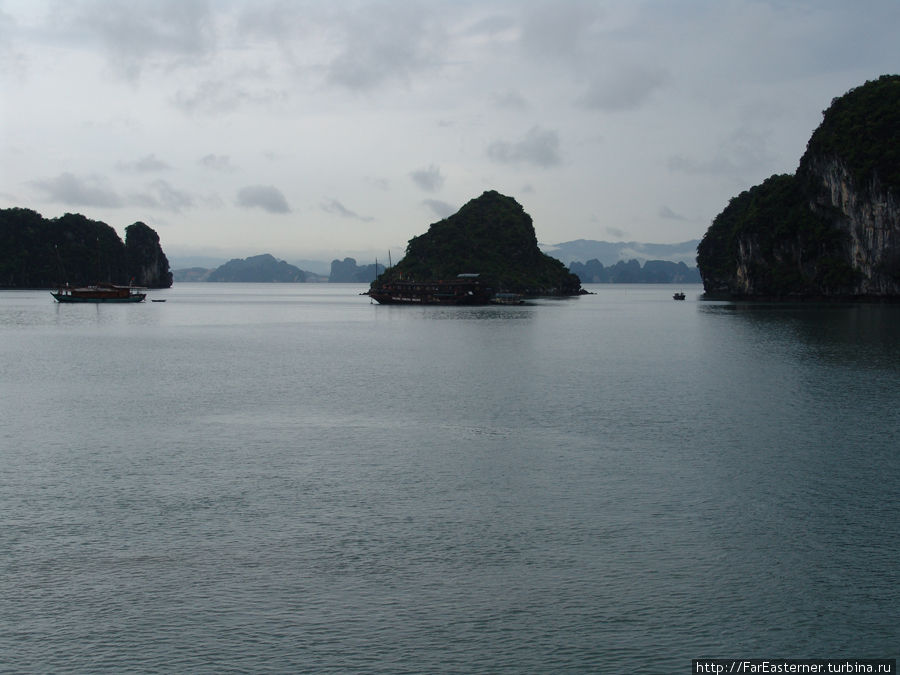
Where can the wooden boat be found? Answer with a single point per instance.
(678, 296)
(466, 289)
(100, 293)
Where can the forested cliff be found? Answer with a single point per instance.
(492, 236)
(43, 253)
(830, 230)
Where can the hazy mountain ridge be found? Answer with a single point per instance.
(582, 256)
(611, 252)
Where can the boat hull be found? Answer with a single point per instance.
(137, 297)
(400, 299)
(99, 293)
(458, 292)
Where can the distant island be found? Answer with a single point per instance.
(266, 268)
(260, 268)
(490, 236)
(610, 268)
(832, 230)
(45, 253)
(632, 272)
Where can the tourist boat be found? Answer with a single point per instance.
(466, 289)
(100, 293)
(678, 296)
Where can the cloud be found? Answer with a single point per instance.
(440, 209)
(743, 154)
(94, 191)
(627, 88)
(216, 162)
(139, 32)
(146, 164)
(266, 197)
(333, 206)
(384, 41)
(224, 96)
(559, 31)
(669, 214)
(509, 99)
(378, 183)
(539, 147)
(72, 190)
(169, 198)
(492, 25)
(429, 179)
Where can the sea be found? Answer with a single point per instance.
(287, 478)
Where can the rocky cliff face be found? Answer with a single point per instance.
(831, 230)
(147, 263)
(870, 217)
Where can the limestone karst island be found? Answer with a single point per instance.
(832, 229)
(36, 252)
(485, 252)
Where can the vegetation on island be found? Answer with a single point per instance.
(263, 268)
(491, 236)
(794, 235)
(44, 253)
(862, 128)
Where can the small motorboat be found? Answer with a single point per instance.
(678, 296)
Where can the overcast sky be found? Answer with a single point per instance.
(325, 129)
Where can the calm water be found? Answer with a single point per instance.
(286, 478)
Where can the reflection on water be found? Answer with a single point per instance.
(861, 332)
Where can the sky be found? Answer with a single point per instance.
(339, 128)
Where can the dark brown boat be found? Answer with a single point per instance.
(100, 293)
(466, 289)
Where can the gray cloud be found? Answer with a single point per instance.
(146, 164)
(224, 96)
(216, 162)
(169, 198)
(625, 89)
(492, 25)
(95, 191)
(383, 41)
(266, 197)
(379, 183)
(669, 214)
(283, 22)
(510, 99)
(139, 32)
(559, 31)
(742, 155)
(539, 147)
(429, 179)
(333, 206)
(440, 209)
(72, 190)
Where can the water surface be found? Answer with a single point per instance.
(280, 478)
